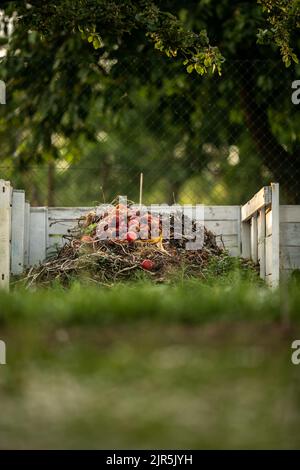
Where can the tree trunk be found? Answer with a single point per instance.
(284, 166)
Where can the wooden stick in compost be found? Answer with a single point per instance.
(141, 188)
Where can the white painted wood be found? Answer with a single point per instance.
(26, 234)
(222, 227)
(38, 235)
(268, 222)
(233, 251)
(17, 231)
(246, 239)
(290, 257)
(228, 241)
(275, 234)
(268, 280)
(261, 199)
(67, 213)
(61, 227)
(210, 212)
(290, 234)
(289, 214)
(268, 254)
(261, 228)
(239, 229)
(62, 220)
(5, 230)
(258, 233)
(254, 251)
(222, 212)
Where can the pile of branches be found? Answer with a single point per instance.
(97, 252)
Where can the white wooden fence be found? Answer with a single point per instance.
(261, 230)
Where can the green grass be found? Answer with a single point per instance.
(173, 386)
(187, 302)
(191, 365)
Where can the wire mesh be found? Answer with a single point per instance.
(204, 140)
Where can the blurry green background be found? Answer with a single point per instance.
(81, 124)
(141, 366)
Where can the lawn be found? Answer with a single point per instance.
(141, 366)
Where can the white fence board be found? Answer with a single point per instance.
(38, 235)
(254, 247)
(259, 200)
(18, 232)
(62, 220)
(289, 214)
(210, 212)
(268, 223)
(290, 257)
(290, 234)
(246, 239)
(261, 231)
(61, 227)
(5, 225)
(268, 253)
(222, 227)
(221, 212)
(67, 213)
(229, 241)
(268, 279)
(26, 234)
(44, 229)
(275, 234)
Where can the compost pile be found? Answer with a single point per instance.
(120, 244)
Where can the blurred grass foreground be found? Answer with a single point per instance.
(150, 366)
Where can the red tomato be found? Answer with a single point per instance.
(147, 264)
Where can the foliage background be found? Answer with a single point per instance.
(82, 120)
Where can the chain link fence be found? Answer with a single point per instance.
(196, 139)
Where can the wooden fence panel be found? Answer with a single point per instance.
(5, 231)
(260, 232)
(44, 228)
(26, 234)
(289, 239)
(38, 235)
(17, 231)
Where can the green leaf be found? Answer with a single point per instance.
(190, 68)
(199, 69)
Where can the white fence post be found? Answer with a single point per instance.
(5, 230)
(260, 232)
(254, 248)
(26, 234)
(38, 235)
(17, 231)
(262, 242)
(275, 234)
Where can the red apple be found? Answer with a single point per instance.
(86, 239)
(147, 264)
(131, 236)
